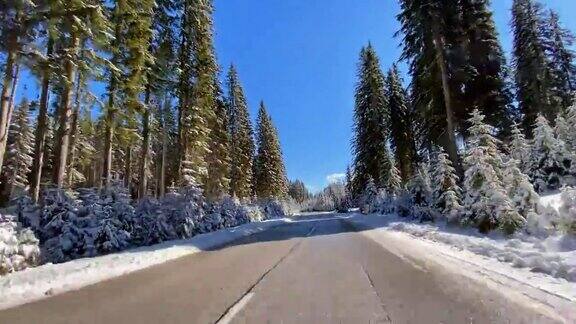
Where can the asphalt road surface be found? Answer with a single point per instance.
(317, 271)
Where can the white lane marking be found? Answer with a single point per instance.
(227, 318)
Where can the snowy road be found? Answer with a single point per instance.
(318, 271)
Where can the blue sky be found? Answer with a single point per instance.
(300, 57)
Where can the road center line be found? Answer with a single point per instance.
(229, 315)
(243, 301)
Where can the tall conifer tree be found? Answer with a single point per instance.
(402, 128)
(533, 78)
(241, 138)
(371, 120)
(197, 96)
(270, 174)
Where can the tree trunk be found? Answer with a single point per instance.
(41, 127)
(74, 131)
(450, 146)
(7, 84)
(162, 177)
(128, 169)
(145, 152)
(63, 137)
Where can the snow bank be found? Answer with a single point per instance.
(49, 279)
(554, 201)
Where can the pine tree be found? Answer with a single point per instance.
(241, 139)
(520, 190)
(394, 183)
(446, 194)
(486, 202)
(430, 29)
(533, 79)
(197, 102)
(371, 120)
(484, 73)
(19, 153)
(549, 161)
(402, 130)
(297, 190)
(519, 148)
(84, 21)
(17, 30)
(564, 129)
(218, 181)
(270, 173)
(559, 42)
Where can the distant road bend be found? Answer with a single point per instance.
(316, 271)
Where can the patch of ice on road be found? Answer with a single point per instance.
(49, 279)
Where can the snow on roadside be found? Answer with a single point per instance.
(49, 279)
(554, 201)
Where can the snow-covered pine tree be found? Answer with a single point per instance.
(549, 161)
(19, 160)
(242, 143)
(520, 190)
(446, 194)
(150, 224)
(269, 170)
(19, 247)
(394, 182)
(185, 210)
(371, 121)
(486, 202)
(367, 200)
(420, 190)
(519, 148)
(564, 128)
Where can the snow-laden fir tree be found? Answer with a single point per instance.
(420, 190)
(270, 173)
(565, 126)
(241, 141)
(446, 194)
(19, 154)
(549, 161)
(486, 202)
(151, 225)
(368, 198)
(19, 246)
(394, 181)
(184, 210)
(520, 190)
(371, 121)
(519, 148)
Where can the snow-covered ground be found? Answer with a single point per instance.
(542, 271)
(49, 279)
